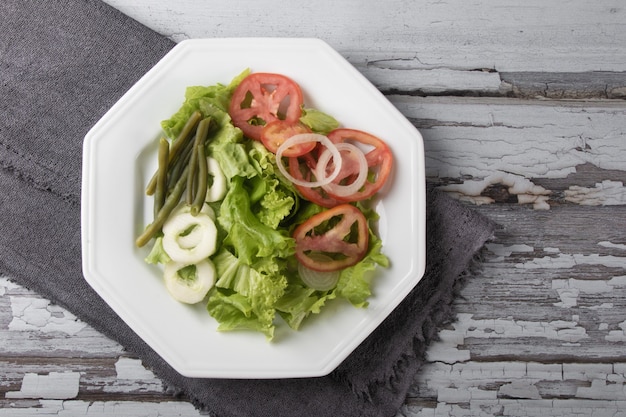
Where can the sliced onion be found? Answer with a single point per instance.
(307, 138)
(317, 280)
(341, 190)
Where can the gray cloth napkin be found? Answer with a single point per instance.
(62, 65)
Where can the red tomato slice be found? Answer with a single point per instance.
(262, 98)
(379, 160)
(302, 169)
(340, 233)
(275, 133)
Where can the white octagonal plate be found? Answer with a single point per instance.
(120, 156)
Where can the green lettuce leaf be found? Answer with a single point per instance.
(218, 95)
(299, 302)
(157, 254)
(355, 282)
(245, 297)
(274, 197)
(318, 121)
(247, 237)
(233, 311)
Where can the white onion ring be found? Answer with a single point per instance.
(307, 138)
(341, 190)
(319, 280)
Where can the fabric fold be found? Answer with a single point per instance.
(63, 64)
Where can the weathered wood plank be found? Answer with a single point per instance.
(480, 147)
(542, 139)
(577, 85)
(541, 330)
(509, 37)
(33, 326)
(78, 408)
(433, 47)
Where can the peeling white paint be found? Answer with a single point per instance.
(612, 245)
(454, 395)
(435, 80)
(38, 314)
(487, 389)
(617, 335)
(561, 408)
(586, 286)
(55, 385)
(551, 250)
(446, 348)
(137, 409)
(603, 390)
(620, 368)
(523, 188)
(544, 371)
(520, 389)
(606, 193)
(132, 369)
(74, 408)
(564, 261)
(568, 296)
(133, 377)
(619, 281)
(484, 137)
(6, 284)
(587, 371)
(605, 306)
(568, 331)
(507, 250)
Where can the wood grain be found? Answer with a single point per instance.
(561, 49)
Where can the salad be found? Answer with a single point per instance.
(262, 206)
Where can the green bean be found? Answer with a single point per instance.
(161, 183)
(202, 133)
(170, 204)
(202, 179)
(200, 166)
(193, 167)
(178, 165)
(188, 129)
(178, 145)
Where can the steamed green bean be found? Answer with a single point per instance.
(170, 204)
(179, 164)
(200, 165)
(193, 167)
(162, 175)
(178, 145)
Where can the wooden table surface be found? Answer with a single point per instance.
(522, 106)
